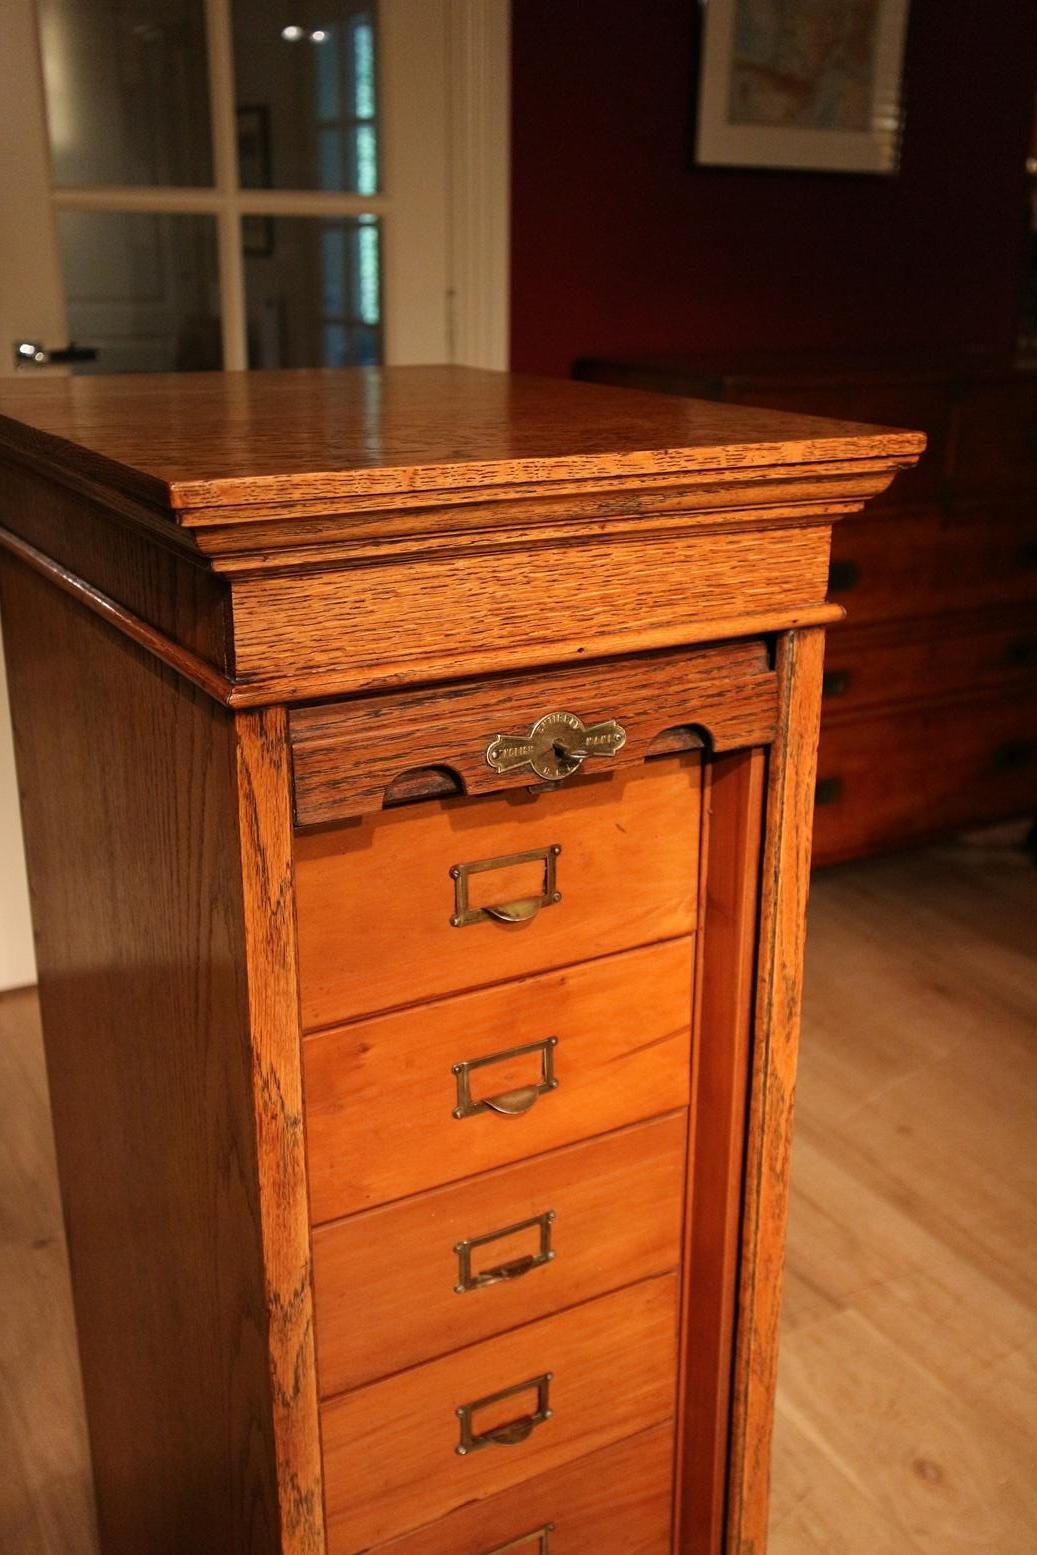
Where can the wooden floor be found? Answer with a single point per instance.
(907, 1416)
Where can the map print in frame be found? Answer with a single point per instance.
(812, 84)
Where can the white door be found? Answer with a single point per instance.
(191, 184)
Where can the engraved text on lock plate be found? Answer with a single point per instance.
(555, 746)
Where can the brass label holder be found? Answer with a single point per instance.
(520, 911)
(507, 1104)
(515, 1431)
(515, 1268)
(556, 746)
(541, 1535)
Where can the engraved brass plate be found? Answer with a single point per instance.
(507, 1103)
(541, 1546)
(556, 746)
(514, 1431)
(506, 912)
(515, 1268)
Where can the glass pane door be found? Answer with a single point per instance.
(219, 177)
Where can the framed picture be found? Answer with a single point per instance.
(257, 232)
(813, 84)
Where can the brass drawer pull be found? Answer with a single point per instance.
(507, 1103)
(506, 912)
(515, 1268)
(555, 746)
(542, 1547)
(514, 1431)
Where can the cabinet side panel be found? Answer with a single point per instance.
(130, 805)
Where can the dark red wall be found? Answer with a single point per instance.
(620, 245)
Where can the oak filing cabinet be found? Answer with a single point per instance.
(417, 771)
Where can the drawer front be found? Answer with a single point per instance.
(382, 1095)
(400, 907)
(429, 899)
(402, 1284)
(995, 439)
(554, 1391)
(935, 657)
(615, 1502)
(918, 772)
(886, 569)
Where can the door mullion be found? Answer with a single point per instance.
(222, 113)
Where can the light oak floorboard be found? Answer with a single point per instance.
(46, 1498)
(907, 1407)
(907, 1422)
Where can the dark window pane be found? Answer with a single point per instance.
(306, 83)
(142, 289)
(313, 291)
(127, 91)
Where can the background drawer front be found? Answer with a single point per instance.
(924, 659)
(616, 1502)
(882, 569)
(375, 896)
(921, 771)
(381, 1094)
(888, 569)
(390, 1455)
(385, 1282)
(995, 439)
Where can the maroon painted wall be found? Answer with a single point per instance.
(620, 245)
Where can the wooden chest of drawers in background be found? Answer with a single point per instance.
(930, 712)
(416, 769)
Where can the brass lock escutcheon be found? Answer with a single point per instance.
(515, 1268)
(555, 746)
(513, 1431)
(519, 911)
(536, 1543)
(507, 1103)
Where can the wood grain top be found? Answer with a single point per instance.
(222, 440)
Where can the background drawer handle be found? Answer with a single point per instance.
(1013, 754)
(1022, 653)
(1027, 555)
(506, 1103)
(835, 683)
(506, 912)
(516, 1267)
(843, 576)
(541, 1547)
(829, 790)
(515, 1431)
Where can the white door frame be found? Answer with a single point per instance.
(446, 172)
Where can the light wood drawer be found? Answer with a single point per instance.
(390, 1450)
(402, 1284)
(381, 1095)
(615, 1502)
(376, 896)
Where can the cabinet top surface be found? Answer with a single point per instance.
(217, 440)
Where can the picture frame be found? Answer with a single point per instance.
(254, 172)
(814, 85)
